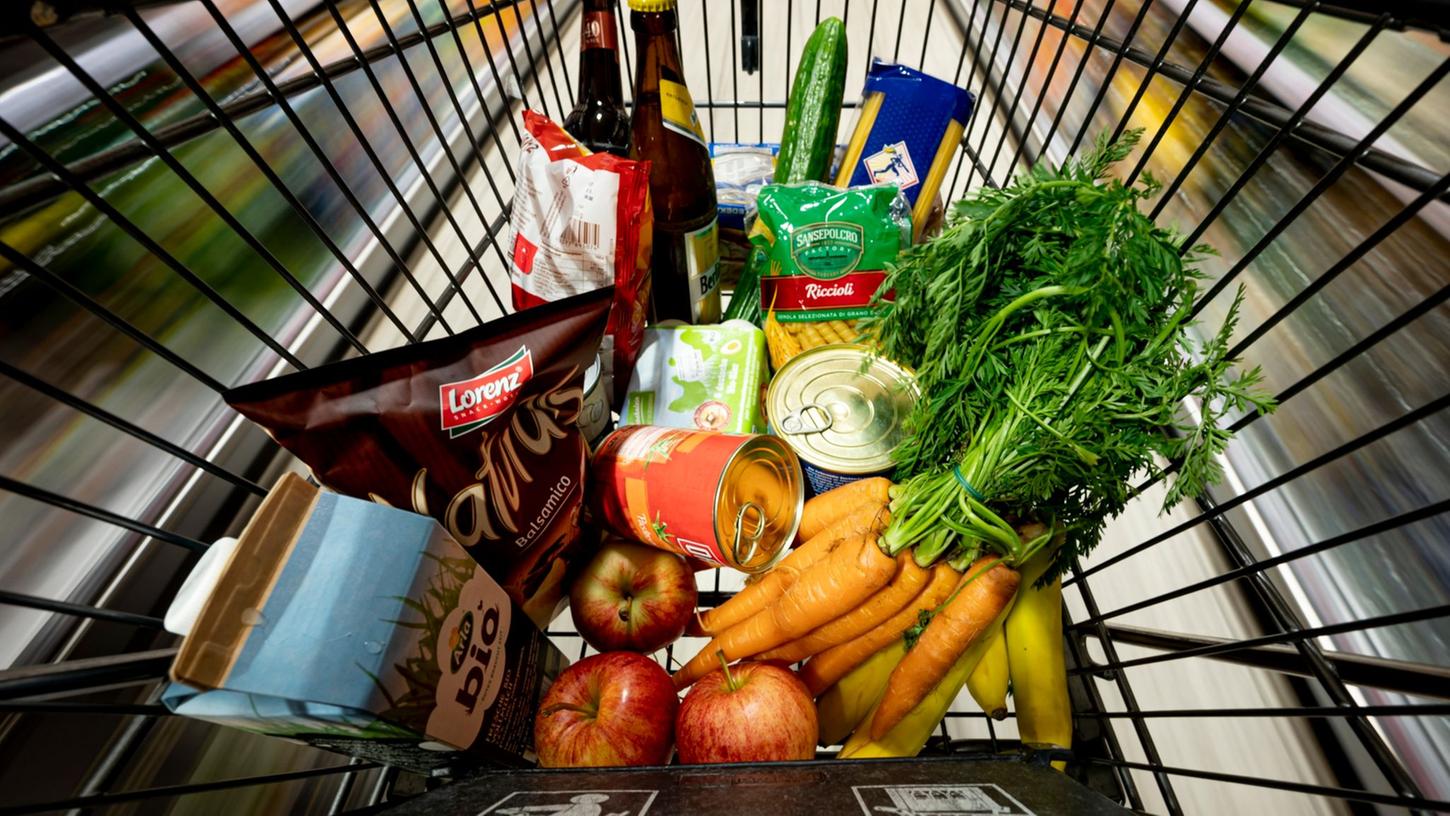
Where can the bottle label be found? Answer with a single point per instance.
(702, 253)
(598, 31)
(677, 109)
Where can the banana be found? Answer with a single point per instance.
(843, 706)
(910, 735)
(988, 682)
(1036, 663)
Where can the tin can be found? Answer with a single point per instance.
(729, 499)
(594, 416)
(842, 412)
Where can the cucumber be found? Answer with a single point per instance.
(808, 143)
(813, 111)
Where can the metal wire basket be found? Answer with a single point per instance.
(200, 193)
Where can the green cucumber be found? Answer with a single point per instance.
(813, 111)
(808, 143)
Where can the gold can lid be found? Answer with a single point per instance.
(758, 503)
(651, 5)
(838, 415)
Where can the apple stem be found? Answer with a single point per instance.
(725, 665)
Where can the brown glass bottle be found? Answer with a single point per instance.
(666, 131)
(599, 120)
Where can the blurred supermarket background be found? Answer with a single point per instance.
(424, 150)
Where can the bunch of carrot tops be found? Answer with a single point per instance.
(1049, 328)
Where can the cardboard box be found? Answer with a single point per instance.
(367, 630)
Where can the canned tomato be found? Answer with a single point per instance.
(730, 499)
(841, 411)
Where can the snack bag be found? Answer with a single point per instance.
(478, 430)
(582, 221)
(826, 251)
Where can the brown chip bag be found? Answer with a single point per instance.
(477, 430)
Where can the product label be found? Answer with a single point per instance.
(598, 31)
(702, 253)
(828, 250)
(892, 165)
(471, 659)
(677, 109)
(800, 298)
(470, 404)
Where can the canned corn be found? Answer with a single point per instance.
(842, 412)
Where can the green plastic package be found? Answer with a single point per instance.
(826, 248)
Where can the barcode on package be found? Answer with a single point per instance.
(581, 233)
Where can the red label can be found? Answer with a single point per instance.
(729, 499)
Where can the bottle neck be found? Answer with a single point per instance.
(656, 42)
(599, 55)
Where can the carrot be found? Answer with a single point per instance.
(830, 588)
(822, 671)
(825, 508)
(759, 595)
(980, 598)
(903, 589)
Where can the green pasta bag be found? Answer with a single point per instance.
(826, 251)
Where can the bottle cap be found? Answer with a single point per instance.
(651, 5)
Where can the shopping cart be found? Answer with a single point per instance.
(202, 193)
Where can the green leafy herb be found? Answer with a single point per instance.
(1048, 327)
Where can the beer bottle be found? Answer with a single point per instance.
(599, 121)
(666, 131)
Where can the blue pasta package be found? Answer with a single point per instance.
(907, 134)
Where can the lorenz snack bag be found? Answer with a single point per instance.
(477, 430)
(581, 221)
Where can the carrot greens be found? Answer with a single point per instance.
(1049, 329)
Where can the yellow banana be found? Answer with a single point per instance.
(1036, 663)
(988, 682)
(843, 706)
(910, 735)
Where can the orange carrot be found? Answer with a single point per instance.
(759, 595)
(979, 599)
(825, 508)
(903, 589)
(830, 588)
(822, 671)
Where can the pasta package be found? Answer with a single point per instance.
(907, 133)
(826, 252)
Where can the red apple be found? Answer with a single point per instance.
(750, 712)
(610, 709)
(632, 597)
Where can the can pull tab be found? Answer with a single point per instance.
(809, 419)
(753, 541)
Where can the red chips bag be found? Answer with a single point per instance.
(477, 430)
(582, 221)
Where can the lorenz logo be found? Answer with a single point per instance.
(470, 404)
